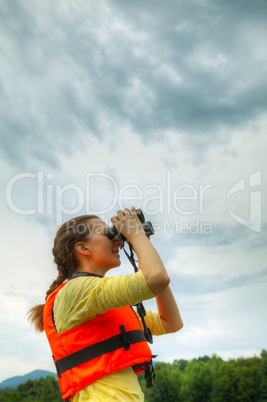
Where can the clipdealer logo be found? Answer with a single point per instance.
(185, 200)
(253, 222)
(50, 198)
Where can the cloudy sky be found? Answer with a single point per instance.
(161, 105)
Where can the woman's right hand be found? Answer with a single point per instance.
(128, 224)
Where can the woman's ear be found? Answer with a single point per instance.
(82, 248)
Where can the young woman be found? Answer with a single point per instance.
(95, 336)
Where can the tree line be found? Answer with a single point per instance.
(206, 379)
(41, 390)
(209, 379)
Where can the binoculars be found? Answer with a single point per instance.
(113, 234)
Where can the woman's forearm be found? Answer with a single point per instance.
(169, 311)
(151, 264)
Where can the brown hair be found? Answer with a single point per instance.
(71, 232)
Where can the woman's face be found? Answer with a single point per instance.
(104, 253)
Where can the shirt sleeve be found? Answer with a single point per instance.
(81, 299)
(153, 322)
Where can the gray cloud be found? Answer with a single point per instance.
(208, 45)
(75, 71)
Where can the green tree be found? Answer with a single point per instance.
(181, 364)
(175, 383)
(159, 392)
(9, 396)
(46, 389)
(238, 381)
(263, 386)
(203, 359)
(167, 384)
(197, 382)
(41, 390)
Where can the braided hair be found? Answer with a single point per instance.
(71, 232)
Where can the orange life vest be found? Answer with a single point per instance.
(103, 345)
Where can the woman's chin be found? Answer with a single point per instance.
(117, 264)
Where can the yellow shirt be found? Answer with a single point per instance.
(81, 300)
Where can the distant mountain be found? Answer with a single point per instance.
(13, 382)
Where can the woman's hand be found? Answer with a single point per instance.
(128, 224)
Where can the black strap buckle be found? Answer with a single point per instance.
(150, 373)
(125, 339)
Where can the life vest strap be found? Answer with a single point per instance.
(123, 340)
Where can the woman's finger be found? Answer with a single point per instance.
(133, 211)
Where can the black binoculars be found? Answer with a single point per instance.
(113, 234)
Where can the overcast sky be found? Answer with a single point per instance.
(161, 105)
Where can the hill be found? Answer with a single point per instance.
(13, 382)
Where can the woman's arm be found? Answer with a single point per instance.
(149, 260)
(168, 311)
(150, 263)
(152, 267)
